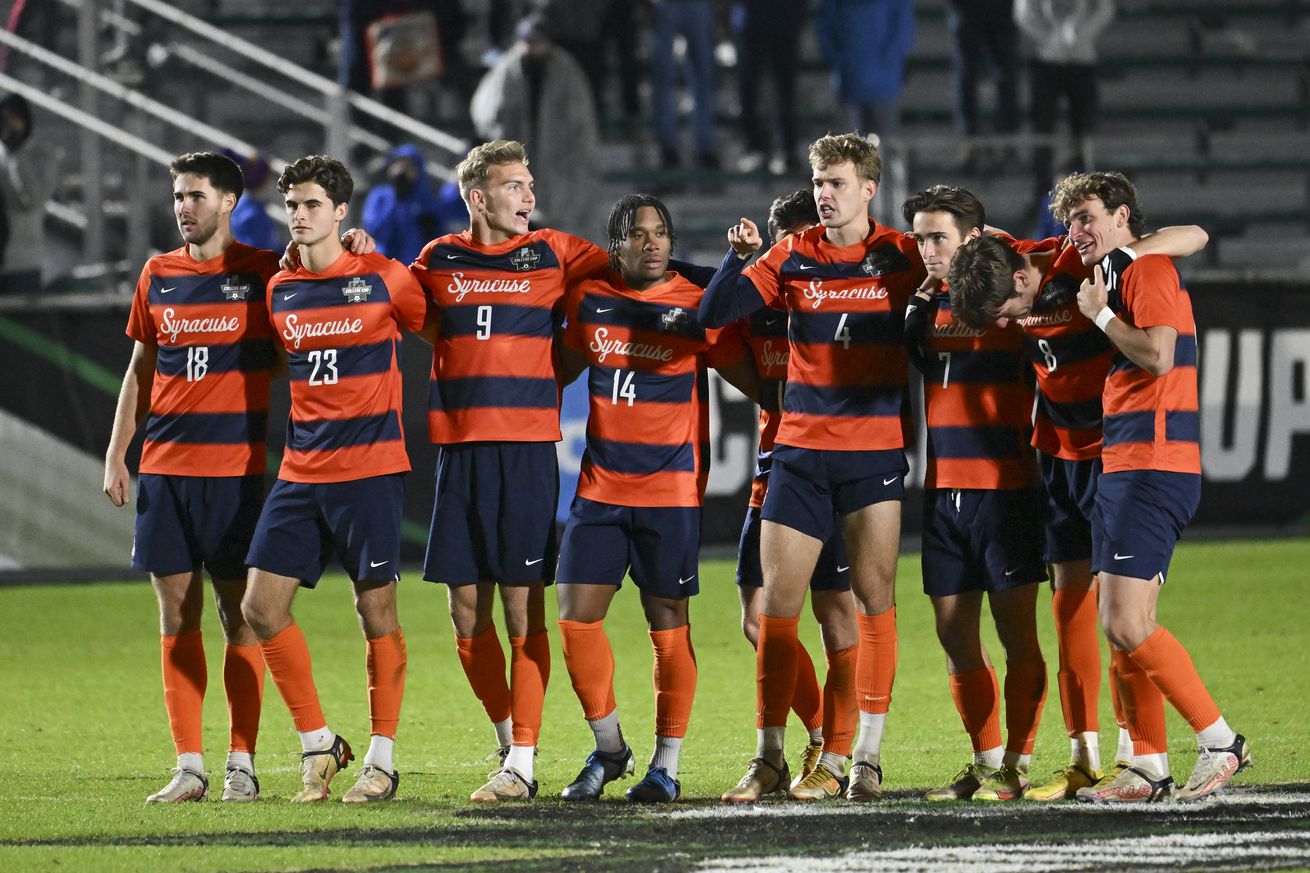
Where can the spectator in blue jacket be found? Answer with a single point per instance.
(407, 209)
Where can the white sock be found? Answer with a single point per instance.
(989, 758)
(1156, 765)
(193, 761)
(522, 760)
(816, 736)
(834, 762)
(317, 741)
(1017, 761)
(241, 761)
(1125, 750)
(1217, 736)
(868, 748)
(504, 732)
(1085, 750)
(609, 737)
(769, 744)
(379, 752)
(666, 754)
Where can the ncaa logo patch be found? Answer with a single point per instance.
(235, 289)
(356, 290)
(525, 259)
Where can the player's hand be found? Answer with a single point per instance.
(359, 242)
(928, 287)
(290, 257)
(117, 482)
(745, 238)
(1092, 296)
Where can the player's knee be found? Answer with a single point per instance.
(1126, 631)
(750, 628)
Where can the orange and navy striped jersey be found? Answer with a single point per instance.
(765, 333)
(1152, 423)
(1070, 355)
(978, 404)
(493, 370)
(846, 375)
(209, 398)
(648, 422)
(341, 330)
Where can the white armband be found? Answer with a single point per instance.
(1104, 317)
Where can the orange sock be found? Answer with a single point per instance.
(1143, 707)
(287, 656)
(978, 700)
(840, 714)
(1166, 661)
(1116, 702)
(775, 670)
(675, 680)
(806, 698)
(483, 661)
(243, 682)
(185, 677)
(386, 681)
(1080, 657)
(1025, 693)
(875, 668)
(590, 662)
(529, 671)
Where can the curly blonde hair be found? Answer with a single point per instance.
(472, 172)
(837, 147)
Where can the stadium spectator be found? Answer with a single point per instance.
(26, 181)
(867, 43)
(404, 211)
(984, 34)
(768, 46)
(693, 21)
(251, 223)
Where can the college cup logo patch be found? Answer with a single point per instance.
(871, 265)
(235, 288)
(525, 259)
(356, 290)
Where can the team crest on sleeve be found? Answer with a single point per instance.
(356, 290)
(235, 288)
(525, 259)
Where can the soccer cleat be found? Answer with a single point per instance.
(821, 784)
(809, 760)
(601, 769)
(374, 784)
(865, 782)
(318, 768)
(1130, 785)
(498, 755)
(1063, 784)
(1006, 783)
(657, 786)
(1214, 767)
(240, 785)
(185, 785)
(508, 784)
(761, 778)
(962, 784)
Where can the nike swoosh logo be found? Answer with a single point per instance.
(807, 266)
(530, 563)
(770, 321)
(376, 564)
(289, 296)
(451, 257)
(682, 581)
(890, 481)
(1119, 557)
(1011, 572)
(843, 569)
(166, 290)
(599, 311)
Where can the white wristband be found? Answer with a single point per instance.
(1104, 317)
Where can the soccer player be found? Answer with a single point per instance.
(1150, 482)
(840, 444)
(1035, 284)
(339, 318)
(828, 715)
(494, 411)
(982, 513)
(638, 504)
(201, 362)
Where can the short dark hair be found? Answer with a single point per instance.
(221, 171)
(1113, 189)
(328, 172)
(792, 209)
(623, 216)
(981, 279)
(959, 203)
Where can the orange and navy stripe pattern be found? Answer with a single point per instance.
(341, 330)
(209, 397)
(765, 333)
(500, 306)
(846, 377)
(647, 428)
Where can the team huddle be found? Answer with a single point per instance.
(1060, 403)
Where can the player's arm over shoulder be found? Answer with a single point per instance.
(1177, 241)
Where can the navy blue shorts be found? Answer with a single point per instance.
(494, 517)
(659, 544)
(184, 522)
(1140, 516)
(975, 540)
(304, 523)
(809, 488)
(1070, 505)
(832, 573)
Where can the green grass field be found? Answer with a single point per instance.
(85, 740)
